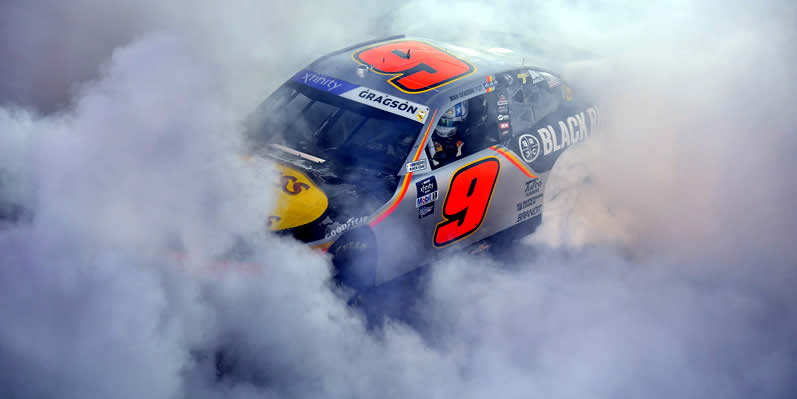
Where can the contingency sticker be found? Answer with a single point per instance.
(426, 195)
(416, 166)
(426, 191)
(363, 95)
(425, 210)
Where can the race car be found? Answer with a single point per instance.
(396, 152)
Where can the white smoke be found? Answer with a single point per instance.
(664, 267)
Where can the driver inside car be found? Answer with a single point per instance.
(449, 134)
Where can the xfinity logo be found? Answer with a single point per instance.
(316, 80)
(426, 186)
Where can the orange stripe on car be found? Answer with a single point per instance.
(514, 161)
(393, 206)
(406, 183)
(323, 247)
(423, 142)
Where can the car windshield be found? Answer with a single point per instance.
(334, 129)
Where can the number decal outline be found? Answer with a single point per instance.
(452, 218)
(395, 81)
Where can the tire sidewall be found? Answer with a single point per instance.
(354, 258)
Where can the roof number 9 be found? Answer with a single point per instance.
(418, 67)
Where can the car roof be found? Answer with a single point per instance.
(342, 65)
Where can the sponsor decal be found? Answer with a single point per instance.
(426, 186)
(572, 130)
(461, 94)
(533, 187)
(504, 128)
(386, 102)
(529, 147)
(425, 210)
(528, 214)
(363, 95)
(528, 202)
(535, 76)
(416, 166)
(523, 76)
(346, 226)
(485, 87)
(323, 82)
(426, 191)
(426, 199)
(502, 100)
(489, 85)
(291, 185)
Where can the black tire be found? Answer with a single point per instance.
(504, 245)
(354, 257)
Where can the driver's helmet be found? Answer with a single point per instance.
(451, 119)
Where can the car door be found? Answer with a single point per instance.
(445, 205)
(486, 190)
(474, 197)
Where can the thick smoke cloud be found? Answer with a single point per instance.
(664, 266)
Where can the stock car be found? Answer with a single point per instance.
(355, 137)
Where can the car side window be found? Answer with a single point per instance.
(547, 95)
(474, 134)
(532, 96)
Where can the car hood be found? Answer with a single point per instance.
(317, 201)
(299, 200)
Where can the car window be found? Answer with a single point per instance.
(477, 132)
(533, 95)
(333, 128)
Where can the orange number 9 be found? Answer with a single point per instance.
(467, 201)
(419, 66)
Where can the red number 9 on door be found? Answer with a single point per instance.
(418, 66)
(467, 201)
